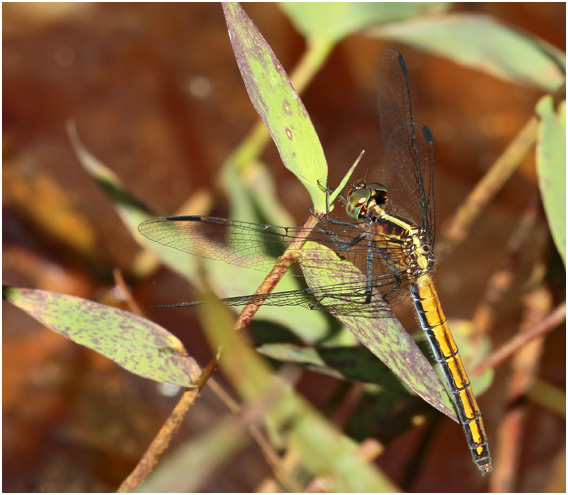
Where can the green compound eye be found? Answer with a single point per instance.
(379, 192)
(357, 201)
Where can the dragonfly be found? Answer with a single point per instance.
(392, 240)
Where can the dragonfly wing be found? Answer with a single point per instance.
(343, 298)
(238, 243)
(341, 291)
(256, 246)
(243, 244)
(425, 143)
(409, 147)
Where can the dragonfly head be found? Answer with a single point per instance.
(361, 196)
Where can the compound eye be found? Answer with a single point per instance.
(379, 192)
(356, 201)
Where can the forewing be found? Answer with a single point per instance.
(255, 246)
(425, 142)
(238, 243)
(405, 151)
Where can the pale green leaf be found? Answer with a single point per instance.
(277, 104)
(551, 166)
(336, 20)
(485, 44)
(136, 344)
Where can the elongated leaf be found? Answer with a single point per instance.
(136, 344)
(551, 166)
(200, 457)
(277, 104)
(309, 432)
(130, 210)
(336, 20)
(348, 363)
(485, 44)
(384, 337)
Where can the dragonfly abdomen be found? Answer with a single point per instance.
(446, 353)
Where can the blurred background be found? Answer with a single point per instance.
(156, 95)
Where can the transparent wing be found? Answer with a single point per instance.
(256, 246)
(408, 146)
(425, 142)
(250, 245)
(340, 299)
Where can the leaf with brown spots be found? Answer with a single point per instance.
(133, 342)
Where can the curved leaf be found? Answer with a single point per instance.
(277, 103)
(386, 338)
(136, 344)
(551, 167)
(483, 43)
(336, 20)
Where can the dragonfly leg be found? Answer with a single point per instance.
(337, 242)
(369, 281)
(328, 190)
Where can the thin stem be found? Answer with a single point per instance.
(172, 424)
(457, 229)
(546, 325)
(160, 443)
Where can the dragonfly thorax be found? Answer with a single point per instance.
(402, 244)
(361, 197)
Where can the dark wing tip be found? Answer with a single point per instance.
(427, 133)
(402, 63)
(185, 218)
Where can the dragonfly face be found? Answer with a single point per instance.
(361, 196)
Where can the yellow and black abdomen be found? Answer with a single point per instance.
(434, 324)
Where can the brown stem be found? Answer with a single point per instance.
(547, 324)
(457, 228)
(160, 443)
(524, 368)
(170, 427)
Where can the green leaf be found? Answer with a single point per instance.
(136, 344)
(354, 363)
(483, 43)
(131, 211)
(551, 167)
(336, 20)
(317, 444)
(277, 103)
(384, 337)
(197, 459)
